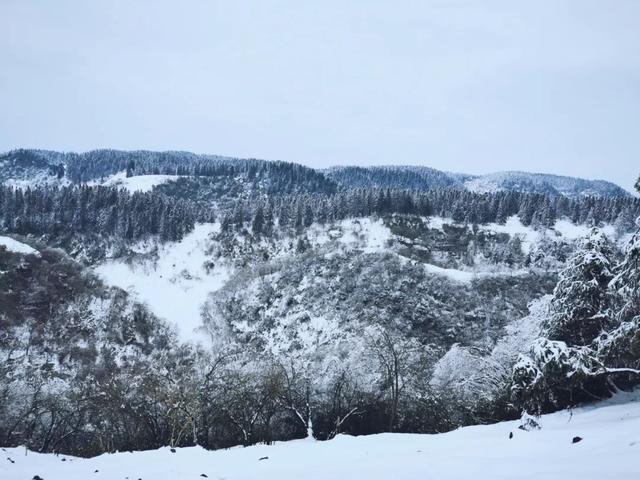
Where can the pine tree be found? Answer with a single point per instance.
(257, 225)
(554, 375)
(130, 168)
(627, 281)
(621, 346)
(580, 304)
(624, 222)
(268, 220)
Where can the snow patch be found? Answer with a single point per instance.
(138, 183)
(36, 180)
(571, 231)
(366, 234)
(453, 274)
(176, 282)
(563, 228)
(465, 276)
(17, 247)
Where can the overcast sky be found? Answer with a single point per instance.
(472, 86)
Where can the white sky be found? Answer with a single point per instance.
(472, 86)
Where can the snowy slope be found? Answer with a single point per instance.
(563, 230)
(610, 449)
(365, 234)
(529, 236)
(138, 183)
(17, 247)
(174, 284)
(39, 178)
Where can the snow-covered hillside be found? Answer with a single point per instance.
(562, 230)
(425, 178)
(542, 183)
(609, 448)
(174, 281)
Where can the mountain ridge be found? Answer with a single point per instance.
(22, 165)
(510, 180)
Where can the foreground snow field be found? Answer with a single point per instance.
(610, 448)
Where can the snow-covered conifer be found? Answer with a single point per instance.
(580, 303)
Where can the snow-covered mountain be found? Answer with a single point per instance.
(424, 178)
(543, 183)
(151, 299)
(34, 167)
(414, 178)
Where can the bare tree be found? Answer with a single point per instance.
(296, 393)
(394, 355)
(345, 399)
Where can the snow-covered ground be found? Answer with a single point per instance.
(176, 283)
(610, 448)
(465, 276)
(138, 183)
(18, 247)
(529, 236)
(452, 273)
(41, 178)
(366, 234)
(563, 227)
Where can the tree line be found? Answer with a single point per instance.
(300, 211)
(110, 211)
(100, 211)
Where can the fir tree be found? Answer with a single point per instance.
(257, 225)
(580, 303)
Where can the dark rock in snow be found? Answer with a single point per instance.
(576, 439)
(173, 450)
(263, 458)
(510, 435)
